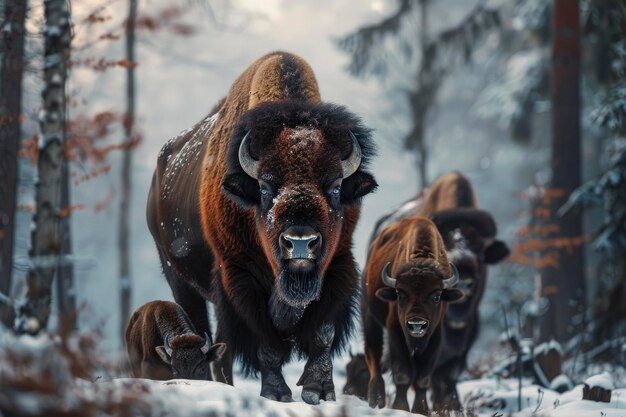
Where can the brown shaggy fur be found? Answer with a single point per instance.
(147, 329)
(218, 242)
(419, 263)
(469, 236)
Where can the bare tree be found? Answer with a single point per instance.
(46, 234)
(438, 57)
(129, 121)
(564, 286)
(11, 68)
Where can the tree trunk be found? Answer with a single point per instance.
(66, 290)
(564, 286)
(46, 234)
(422, 155)
(11, 67)
(124, 229)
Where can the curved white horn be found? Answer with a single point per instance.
(352, 162)
(207, 344)
(249, 164)
(451, 282)
(166, 344)
(387, 280)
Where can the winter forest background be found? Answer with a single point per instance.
(467, 88)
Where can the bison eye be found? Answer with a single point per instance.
(401, 295)
(336, 191)
(436, 298)
(265, 192)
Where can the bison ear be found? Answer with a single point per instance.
(496, 252)
(387, 294)
(241, 189)
(160, 350)
(451, 295)
(216, 351)
(356, 186)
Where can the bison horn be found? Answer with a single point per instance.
(207, 344)
(351, 163)
(249, 164)
(166, 344)
(451, 282)
(387, 280)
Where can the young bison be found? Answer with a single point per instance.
(162, 344)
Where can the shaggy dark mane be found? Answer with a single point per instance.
(421, 267)
(267, 120)
(447, 220)
(185, 341)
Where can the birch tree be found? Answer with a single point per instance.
(129, 121)
(46, 230)
(11, 67)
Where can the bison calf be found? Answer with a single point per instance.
(408, 285)
(162, 344)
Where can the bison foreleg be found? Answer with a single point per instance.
(402, 369)
(445, 395)
(273, 385)
(420, 405)
(317, 378)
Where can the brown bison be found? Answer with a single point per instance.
(254, 209)
(162, 344)
(408, 285)
(469, 235)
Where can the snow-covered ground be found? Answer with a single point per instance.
(66, 376)
(484, 397)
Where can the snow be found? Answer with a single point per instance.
(42, 356)
(548, 346)
(603, 380)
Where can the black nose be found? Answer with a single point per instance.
(417, 326)
(300, 243)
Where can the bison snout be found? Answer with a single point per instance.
(300, 243)
(417, 326)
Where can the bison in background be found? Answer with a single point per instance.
(469, 235)
(162, 343)
(407, 287)
(254, 209)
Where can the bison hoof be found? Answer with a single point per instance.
(311, 394)
(376, 393)
(282, 394)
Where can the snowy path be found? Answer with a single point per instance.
(485, 397)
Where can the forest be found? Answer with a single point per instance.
(314, 208)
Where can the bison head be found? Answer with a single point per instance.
(190, 356)
(420, 292)
(469, 236)
(300, 166)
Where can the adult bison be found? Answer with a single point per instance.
(469, 234)
(254, 209)
(407, 287)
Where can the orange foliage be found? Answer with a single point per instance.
(93, 174)
(539, 245)
(66, 211)
(30, 207)
(105, 203)
(537, 230)
(5, 120)
(101, 64)
(30, 149)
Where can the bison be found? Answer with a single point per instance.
(407, 287)
(254, 209)
(162, 344)
(469, 234)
